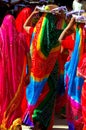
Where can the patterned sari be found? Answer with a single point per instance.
(73, 83)
(41, 92)
(12, 53)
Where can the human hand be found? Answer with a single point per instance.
(71, 23)
(35, 11)
(70, 27)
(62, 49)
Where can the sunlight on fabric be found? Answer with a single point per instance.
(25, 127)
(65, 127)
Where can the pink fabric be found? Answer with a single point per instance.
(12, 53)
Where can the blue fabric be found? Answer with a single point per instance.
(73, 84)
(70, 71)
(33, 90)
(71, 126)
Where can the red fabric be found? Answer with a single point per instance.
(82, 72)
(83, 99)
(68, 43)
(20, 20)
(82, 66)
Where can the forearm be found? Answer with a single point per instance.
(63, 35)
(29, 20)
(68, 30)
(28, 23)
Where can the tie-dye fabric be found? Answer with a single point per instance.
(44, 50)
(73, 83)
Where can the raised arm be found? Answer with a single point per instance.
(28, 23)
(68, 30)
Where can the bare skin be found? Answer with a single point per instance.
(67, 31)
(28, 22)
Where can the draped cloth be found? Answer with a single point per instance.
(20, 20)
(62, 58)
(81, 72)
(12, 53)
(41, 91)
(73, 83)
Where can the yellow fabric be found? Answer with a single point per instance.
(17, 122)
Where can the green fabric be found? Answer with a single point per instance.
(49, 34)
(49, 40)
(44, 111)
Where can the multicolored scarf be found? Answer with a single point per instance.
(74, 83)
(61, 24)
(44, 50)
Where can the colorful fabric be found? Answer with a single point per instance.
(73, 83)
(81, 72)
(61, 95)
(61, 24)
(20, 20)
(12, 48)
(44, 50)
